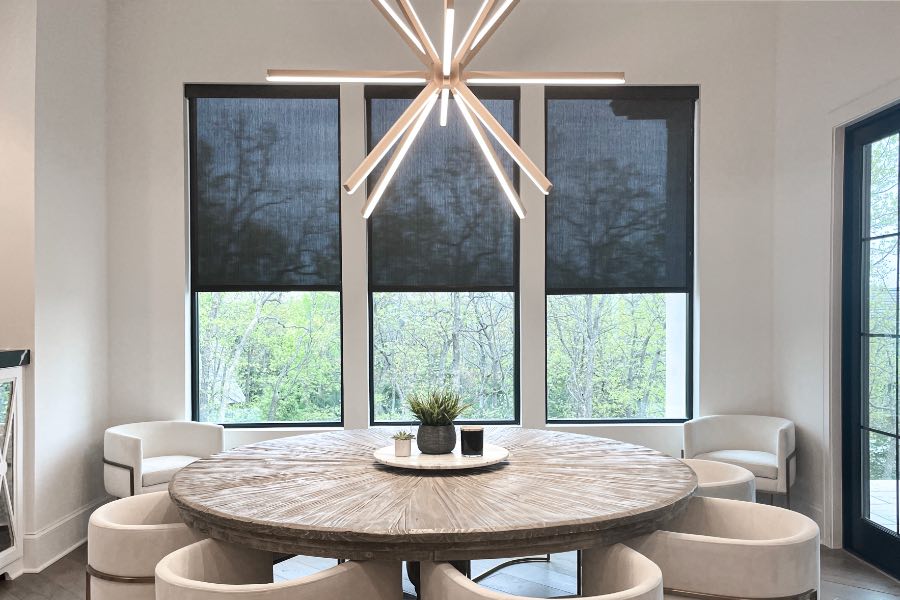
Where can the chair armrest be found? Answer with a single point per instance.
(208, 438)
(122, 448)
(186, 437)
(126, 452)
(785, 448)
(695, 438)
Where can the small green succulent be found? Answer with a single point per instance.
(438, 407)
(403, 435)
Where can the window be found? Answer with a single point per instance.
(443, 268)
(265, 254)
(619, 253)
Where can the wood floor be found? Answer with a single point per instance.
(844, 577)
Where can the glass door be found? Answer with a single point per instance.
(872, 340)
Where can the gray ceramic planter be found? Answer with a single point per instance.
(436, 439)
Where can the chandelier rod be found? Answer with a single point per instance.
(506, 141)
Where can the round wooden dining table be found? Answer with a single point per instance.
(325, 495)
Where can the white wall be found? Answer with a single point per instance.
(836, 62)
(53, 231)
(17, 60)
(18, 26)
(157, 46)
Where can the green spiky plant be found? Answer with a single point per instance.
(403, 435)
(437, 407)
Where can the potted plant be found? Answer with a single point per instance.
(402, 443)
(436, 412)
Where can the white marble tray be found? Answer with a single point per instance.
(441, 462)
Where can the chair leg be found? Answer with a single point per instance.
(792, 457)
(579, 584)
(509, 563)
(87, 585)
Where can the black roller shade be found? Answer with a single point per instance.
(444, 222)
(265, 187)
(619, 217)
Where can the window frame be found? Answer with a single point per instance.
(668, 92)
(193, 92)
(485, 93)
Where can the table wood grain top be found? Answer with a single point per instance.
(325, 495)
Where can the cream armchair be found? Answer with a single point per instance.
(763, 445)
(610, 573)
(719, 548)
(142, 457)
(211, 569)
(126, 539)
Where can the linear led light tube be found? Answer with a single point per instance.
(445, 105)
(525, 78)
(467, 40)
(509, 145)
(410, 12)
(323, 76)
(492, 159)
(449, 22)
(491, 22)
(408, 138)
(393, 135)
(401, 24)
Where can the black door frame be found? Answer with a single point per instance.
(861, 536)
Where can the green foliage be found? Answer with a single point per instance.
(403, 435)
(269, 356)
(438, 407)
(606, 356)
(880, 354)
(464, 341)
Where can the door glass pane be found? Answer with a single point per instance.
(6, 392)
(881, 178)
(882, 479)
(882, 396)
(882, 300)
(6, 528)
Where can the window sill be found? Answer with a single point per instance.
(591, 424)
(240, 436)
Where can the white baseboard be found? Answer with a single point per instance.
(49, 544)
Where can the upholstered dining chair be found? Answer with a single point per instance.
(142, 457)
(765, 446)
(616, 573)
(723, 480)
(213, 570)
(126, 538)
(719, 548)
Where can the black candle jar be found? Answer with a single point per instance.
(471, 440)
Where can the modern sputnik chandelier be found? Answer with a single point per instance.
(445, 72)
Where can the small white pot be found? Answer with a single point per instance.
(402, 447)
